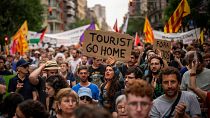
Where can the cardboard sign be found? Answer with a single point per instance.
(163, 46)
(103, 44)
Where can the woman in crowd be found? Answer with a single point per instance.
(53, 84)
(109, 88)
(31, 109)
(66, 101)
(121, 107)
(66, 74)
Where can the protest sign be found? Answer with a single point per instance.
(164, 47)
(103, 44)
(186, 37)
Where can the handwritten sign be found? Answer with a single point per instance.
(164, 47)
(103, 44)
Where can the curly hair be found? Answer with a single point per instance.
(33, 109)
(57, 82)
(139, 88)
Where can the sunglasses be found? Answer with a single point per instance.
(85, 97)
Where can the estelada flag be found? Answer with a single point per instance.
(149, 36)
(175, 21)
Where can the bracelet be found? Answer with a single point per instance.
(192, 74)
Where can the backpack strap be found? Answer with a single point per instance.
(175, 103)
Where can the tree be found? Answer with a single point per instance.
(79, 23)
(15, 12)
(135, 24)
(199, 12)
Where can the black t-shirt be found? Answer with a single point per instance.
(96, 75)
(41, 90)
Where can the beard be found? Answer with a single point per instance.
(156, 72)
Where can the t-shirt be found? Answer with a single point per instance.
(162, 106)
(208, 103)
(25, 91)
(202, 80)
(94, 89)
(96, 75)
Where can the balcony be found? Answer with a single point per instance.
(70, 12)
(70, 4)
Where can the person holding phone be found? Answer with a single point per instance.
(20, 83)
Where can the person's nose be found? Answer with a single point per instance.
(139, 108)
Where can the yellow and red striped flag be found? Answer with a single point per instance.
(149, 36)
(175, 21)
(19, 42)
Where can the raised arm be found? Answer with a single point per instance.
(192, 84)
(33, 77)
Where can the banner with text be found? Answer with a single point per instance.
(186, 37)
(164, 47)
(103, 44)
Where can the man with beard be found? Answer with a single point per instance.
(20, 83)
(202, 74)
(174, 103)
(75, 61)
(155, 66)
(83, 74)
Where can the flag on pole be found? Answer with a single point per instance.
(90, 27)
(125, 26)
(115, 27)
(137, 41)
(43, 31)
(201, 38)
(149, 36)
(175, 21)
(19, 40)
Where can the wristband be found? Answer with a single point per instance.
(192, 74)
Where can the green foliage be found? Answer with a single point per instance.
(79, 23)
(200, 19)
(135, 25)
(15, 12)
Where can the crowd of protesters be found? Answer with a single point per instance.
(64, 83)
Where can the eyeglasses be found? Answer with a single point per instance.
(85, 97)
(141, 104)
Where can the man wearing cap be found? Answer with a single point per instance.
(20, 83)
(85, 95)
(39, 75)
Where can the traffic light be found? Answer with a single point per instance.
(6, 39)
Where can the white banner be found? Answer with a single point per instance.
(66, 38)
(187, 37)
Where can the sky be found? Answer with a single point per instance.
(115, 9)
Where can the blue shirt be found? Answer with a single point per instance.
(94, 89)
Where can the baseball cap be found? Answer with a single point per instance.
(51, 65)
(22, 62)
(84, 91)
